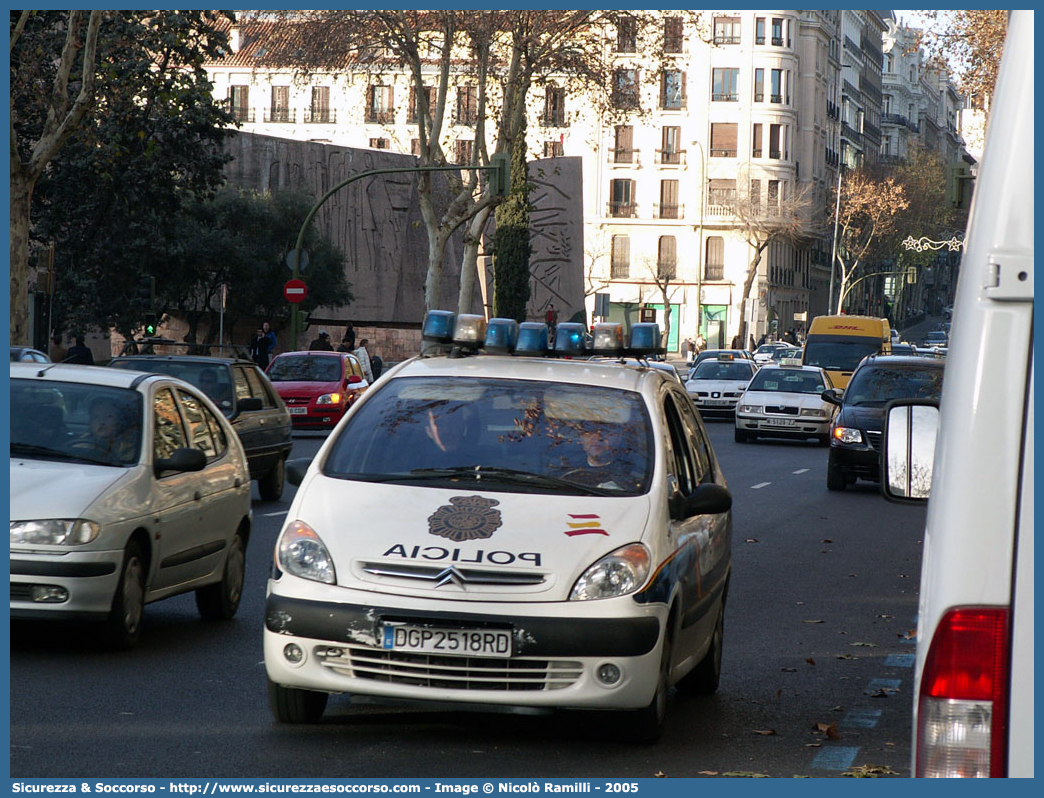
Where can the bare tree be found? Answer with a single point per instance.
(662, 271)
(39, 130)
(969, 43)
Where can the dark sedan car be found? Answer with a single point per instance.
(247, 399)
(855, 435)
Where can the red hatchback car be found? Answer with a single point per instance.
(317, 387)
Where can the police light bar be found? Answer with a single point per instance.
(608, 338)
(532, 339)
(645, 339)
(570, 338)
(438, 326)
(470, 330)
(501, 336)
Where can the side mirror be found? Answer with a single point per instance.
(296, 469)
(832, 395)
(908, 449)
(249, 404)
(354, 379)
(708, 499)
(184, 459)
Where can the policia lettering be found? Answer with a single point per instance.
(455, 555)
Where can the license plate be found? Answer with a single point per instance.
(779, 422)
(298, 411)
(717, 402)
(452, 642)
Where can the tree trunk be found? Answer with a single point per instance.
(752, 272)
(21, 200)
(469, 261)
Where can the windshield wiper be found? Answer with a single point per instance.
(34, 450)
(490, 473)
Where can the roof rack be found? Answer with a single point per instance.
(148, 345)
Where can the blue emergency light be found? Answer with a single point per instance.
(438, 326)
(570, 339)
(645, 339)
(501, 336)
(532, 339)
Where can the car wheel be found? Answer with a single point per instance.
(270, 486)
(293, 705)
(835, 475)
(646, 725)
(704, 678)
(740, 436)
(219, 602)
(123, 626)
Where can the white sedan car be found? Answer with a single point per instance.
(126, 488)
(505, 530)
(715, 385)
(785, 401)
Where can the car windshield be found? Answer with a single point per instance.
(717, 370)
(877, 384)
(839, 355)
(211, 378)
(75, 421)
(786, 381)
(305, 368)
(507, 435)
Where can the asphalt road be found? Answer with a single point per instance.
(816, 671)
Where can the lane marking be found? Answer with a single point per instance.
(862, 718)
(270, 515)
(883, 684)
(799, 471)
(759, 485)
(839, 758)
(899, 661)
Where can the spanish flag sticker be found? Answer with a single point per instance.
(585, 525)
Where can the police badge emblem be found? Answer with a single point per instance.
(465, 518)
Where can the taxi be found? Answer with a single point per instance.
(785, 401)
(559, 533)
(716, 384)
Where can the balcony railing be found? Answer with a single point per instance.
(759, 96)
(723, 153)
(670, 157)
(727, 39)
(319, 116)
(663, 211)
(625, 157)
(725, 98)
(776, 98)
(280, 115)
(624, 210)
(677, 104)
(777, 41)
(379, 117)
(554, 120)
(756, 152)
(242, 114)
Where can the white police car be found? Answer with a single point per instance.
(716, 384)
(510, 530)
(785, 401)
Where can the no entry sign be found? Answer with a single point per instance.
(295, 290)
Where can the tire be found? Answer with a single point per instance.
(293, 705)
(704, 678)
(219, 602)
(270, 486)
(836, 479)
(123, 626)
(740, 436)
(646, 725)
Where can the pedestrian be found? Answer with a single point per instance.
(737, 342)
(57, 352)
(349, 339)
(322, 343)
(691, 346)
(273, 342)
(260, 345)
(364, 360)
(551, 320)
(80, 353)
(376, 365)
(701, 343)
(761, 340)
(753, 346)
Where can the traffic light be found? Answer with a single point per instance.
(500, 176)
(147, 291)
(151, 323)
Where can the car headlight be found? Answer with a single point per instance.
(616, 574)
(300, 552)
(329, 399)
(847, 435)
(814, 412)
(54, 532)
(750, 408)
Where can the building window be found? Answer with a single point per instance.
(672, 90)
(621, 198)
(777, 32)
(319, 109)
(380, 144)
(623, 146)
(672, 35)
(467, 105)
(669, 207)
(759, 30)
(721, 191)
(723, 139)
(759, 85)
(554, 106)
(725, 85)
(553, 148)
(412, 111)
(726, 30)
(670, 145)
(714, 263)
(778, 85)
(775, 142)
(280, 109)
(625, 89)
(462, 151)
(755, 138)
(667, 258)
(239, 103)
(626, 35)
(776, 190)
(380, 105)
(620, 260)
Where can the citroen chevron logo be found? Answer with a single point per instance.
(451, 576)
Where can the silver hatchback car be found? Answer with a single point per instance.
(126, 488)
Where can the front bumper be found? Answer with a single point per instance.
(860, 460)
(799, 427)
(88, 578)
(318, 418)
(555, 659)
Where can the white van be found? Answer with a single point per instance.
(973, 710)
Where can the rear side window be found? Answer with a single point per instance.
(202, 425)
(257, 388)
(170, 431)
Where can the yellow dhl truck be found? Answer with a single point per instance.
(837, 343)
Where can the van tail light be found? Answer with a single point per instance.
(962, 714)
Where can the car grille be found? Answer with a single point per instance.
(296, 400)
(781, 410)
(436, 576)
(874, 437)
(450, 673)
